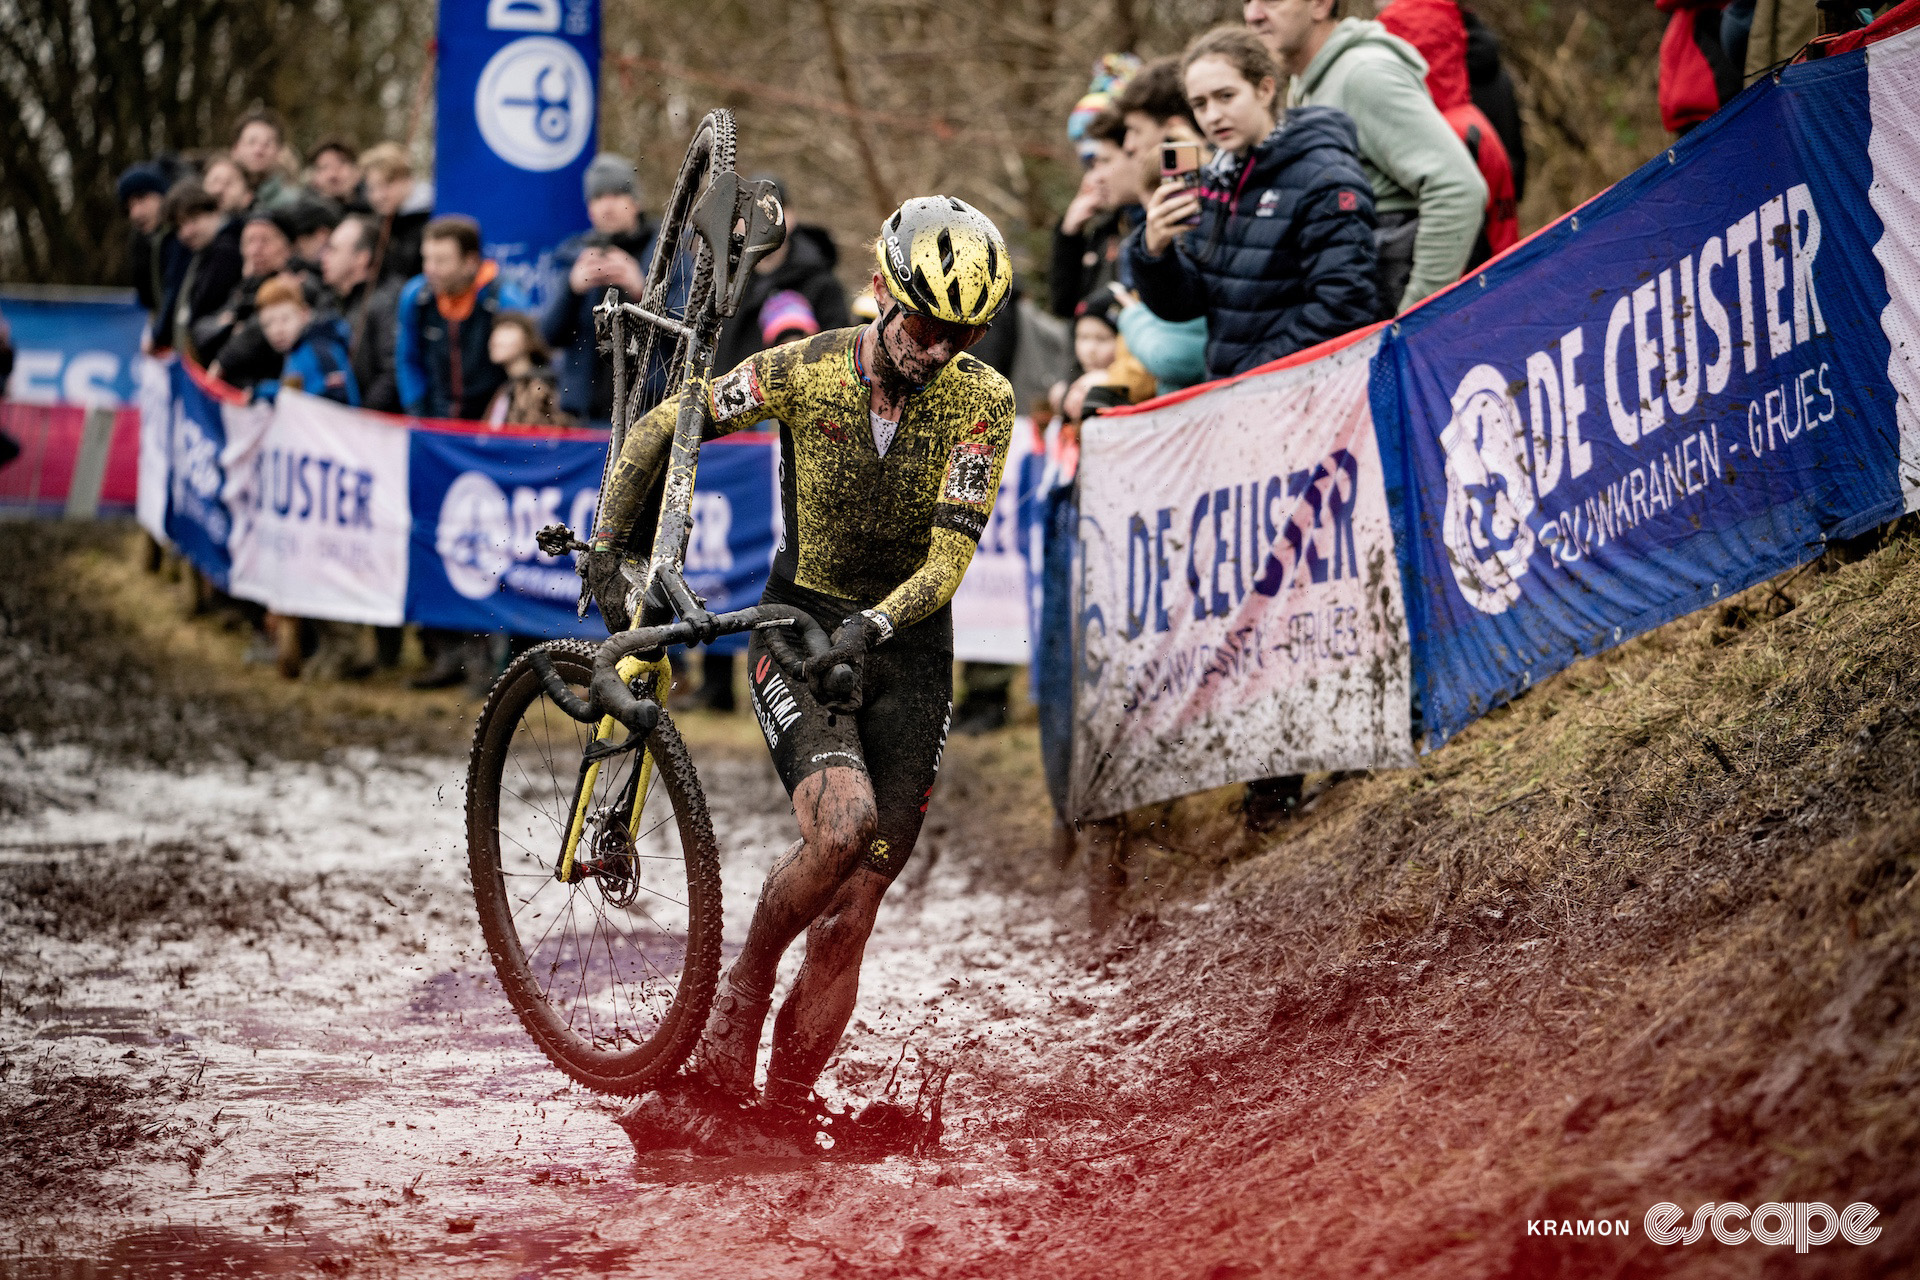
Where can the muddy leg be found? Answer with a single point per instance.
(836, 813)
(1106, 870)
(816, 1012)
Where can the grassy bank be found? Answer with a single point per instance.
(1648, 934)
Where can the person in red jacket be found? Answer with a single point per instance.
(1437, 30)
(1696, 73)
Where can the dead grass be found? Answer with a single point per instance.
(96, 650)
(1648, 934)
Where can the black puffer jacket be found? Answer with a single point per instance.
(1283, 256)
(586, 382)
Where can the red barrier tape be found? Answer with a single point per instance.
(49, 438)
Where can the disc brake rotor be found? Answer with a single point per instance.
(614, 863)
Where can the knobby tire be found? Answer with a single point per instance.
(630, 1071)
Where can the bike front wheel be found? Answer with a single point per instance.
(612, 968)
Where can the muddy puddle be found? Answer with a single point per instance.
(251, 1018)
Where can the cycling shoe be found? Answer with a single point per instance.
(729, 1046)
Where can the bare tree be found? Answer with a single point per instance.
(87, 88)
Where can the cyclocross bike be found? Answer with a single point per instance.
(593, 858)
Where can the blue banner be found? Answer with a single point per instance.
(478, 500)
(73, 351)
(516, 126)
(1678, 391)
(198, 520)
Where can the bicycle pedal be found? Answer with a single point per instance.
(556, 540)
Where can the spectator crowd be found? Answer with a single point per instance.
(1318, 167)
(1281, 182)
(336, 276)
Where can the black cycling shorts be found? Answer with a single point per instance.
(897, 736)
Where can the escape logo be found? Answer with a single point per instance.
(1771, 1224)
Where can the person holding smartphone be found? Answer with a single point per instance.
(1271, 240)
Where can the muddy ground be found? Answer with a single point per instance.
(1648, 935)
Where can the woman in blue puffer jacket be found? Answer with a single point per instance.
(1274, 244)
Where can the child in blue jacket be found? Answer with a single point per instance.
(314, 347)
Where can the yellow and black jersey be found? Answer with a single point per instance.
(883, 515)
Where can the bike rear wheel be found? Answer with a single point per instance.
(611, 973)
(679, 286)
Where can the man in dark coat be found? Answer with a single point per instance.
(404, 205)
(1087, 239)
(212, 241)
(613, 253)
(369, 306)
(446, 318)
(231, 341)
(154, 255)
(1283, 256)
(803, 264)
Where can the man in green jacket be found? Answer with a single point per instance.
(1428, 195)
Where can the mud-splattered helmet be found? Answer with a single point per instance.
(943, 258)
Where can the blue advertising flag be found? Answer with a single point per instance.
(198, 520)
(517, 126)
(477, 502)
(1676, 392)
(73, 350)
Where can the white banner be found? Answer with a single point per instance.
(156, 413)
(321, 515)
(1240, 599)
(990, 608)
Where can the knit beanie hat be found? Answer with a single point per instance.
(1102, 306)
(611, 174)
(141, 180)
(1110, 76)
(786, 313)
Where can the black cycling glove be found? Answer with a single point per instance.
(851, 643)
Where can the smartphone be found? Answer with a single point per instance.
(1180, 162)
(1180, 165)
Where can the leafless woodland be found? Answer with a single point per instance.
(855, 103)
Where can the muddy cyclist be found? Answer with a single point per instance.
(892, 441)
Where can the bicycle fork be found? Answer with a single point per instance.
(633, 796)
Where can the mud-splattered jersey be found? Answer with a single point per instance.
(893, 529)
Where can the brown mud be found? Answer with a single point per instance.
(1650, 934)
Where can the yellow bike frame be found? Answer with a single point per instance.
(661, 681)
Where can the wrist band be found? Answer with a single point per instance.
(881, 624)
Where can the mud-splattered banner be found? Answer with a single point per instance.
(1685, 387)
(1239, 597)
(990, 608)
